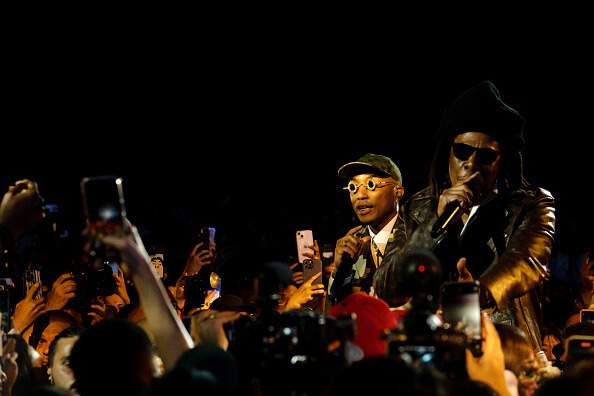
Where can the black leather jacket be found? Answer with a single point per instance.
(507, 244)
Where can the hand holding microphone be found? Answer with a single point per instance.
(345, 254)
(456, 200)
(349, 247)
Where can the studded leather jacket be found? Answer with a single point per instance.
(507, 244)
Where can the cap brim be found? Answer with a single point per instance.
(347, 171)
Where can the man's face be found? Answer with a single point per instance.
(375, 208)
(157, 261)
(60, 372)
(460, 169)
(49, 333)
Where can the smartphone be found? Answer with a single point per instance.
(310, 268)
(31, 277)
(587, 315)
(462, 312)
(206, 235)
(105, 210)
(5, 310)
(579, 347)
(304, 240)
(113, 266)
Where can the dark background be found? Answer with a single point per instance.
(246, 132)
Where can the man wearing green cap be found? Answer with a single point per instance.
(375, 187)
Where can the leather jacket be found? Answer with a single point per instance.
(510, 240)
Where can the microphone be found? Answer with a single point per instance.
(343, 272)
(445, 219)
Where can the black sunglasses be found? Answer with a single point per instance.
(485, 156)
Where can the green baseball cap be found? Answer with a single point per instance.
(371, 163)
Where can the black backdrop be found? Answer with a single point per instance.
(248, 137)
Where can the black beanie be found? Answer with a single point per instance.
(480, 109)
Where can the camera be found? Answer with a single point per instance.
(295, 338)
(96, 282)
(196, 289)
(419, 337)
(295, 351)
(92, 282)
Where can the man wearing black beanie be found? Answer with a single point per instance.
(492, 225)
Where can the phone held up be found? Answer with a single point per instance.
(587, 315)
(462, 312)
(5, 313)
(578, 347)
(304, 241)
(206, 235)
(310, 266)
(208, 274)
(105, 212)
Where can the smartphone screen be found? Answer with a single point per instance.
(31, 277)
(587, 315)
(105, 212)
(205, 236)
(462, 312)
(579, 347)
(104, 201)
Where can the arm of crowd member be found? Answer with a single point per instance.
(197, 259)
(28, 309)
(21, 209)
(171, 337)
(490, 367)
(523, 265)
(305, 293)
(10, 368)
(121, 286)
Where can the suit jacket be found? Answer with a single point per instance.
(508, 240)
(362, 270)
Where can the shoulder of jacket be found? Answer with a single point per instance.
(532, 193)
(422, 195)
(418, 205)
